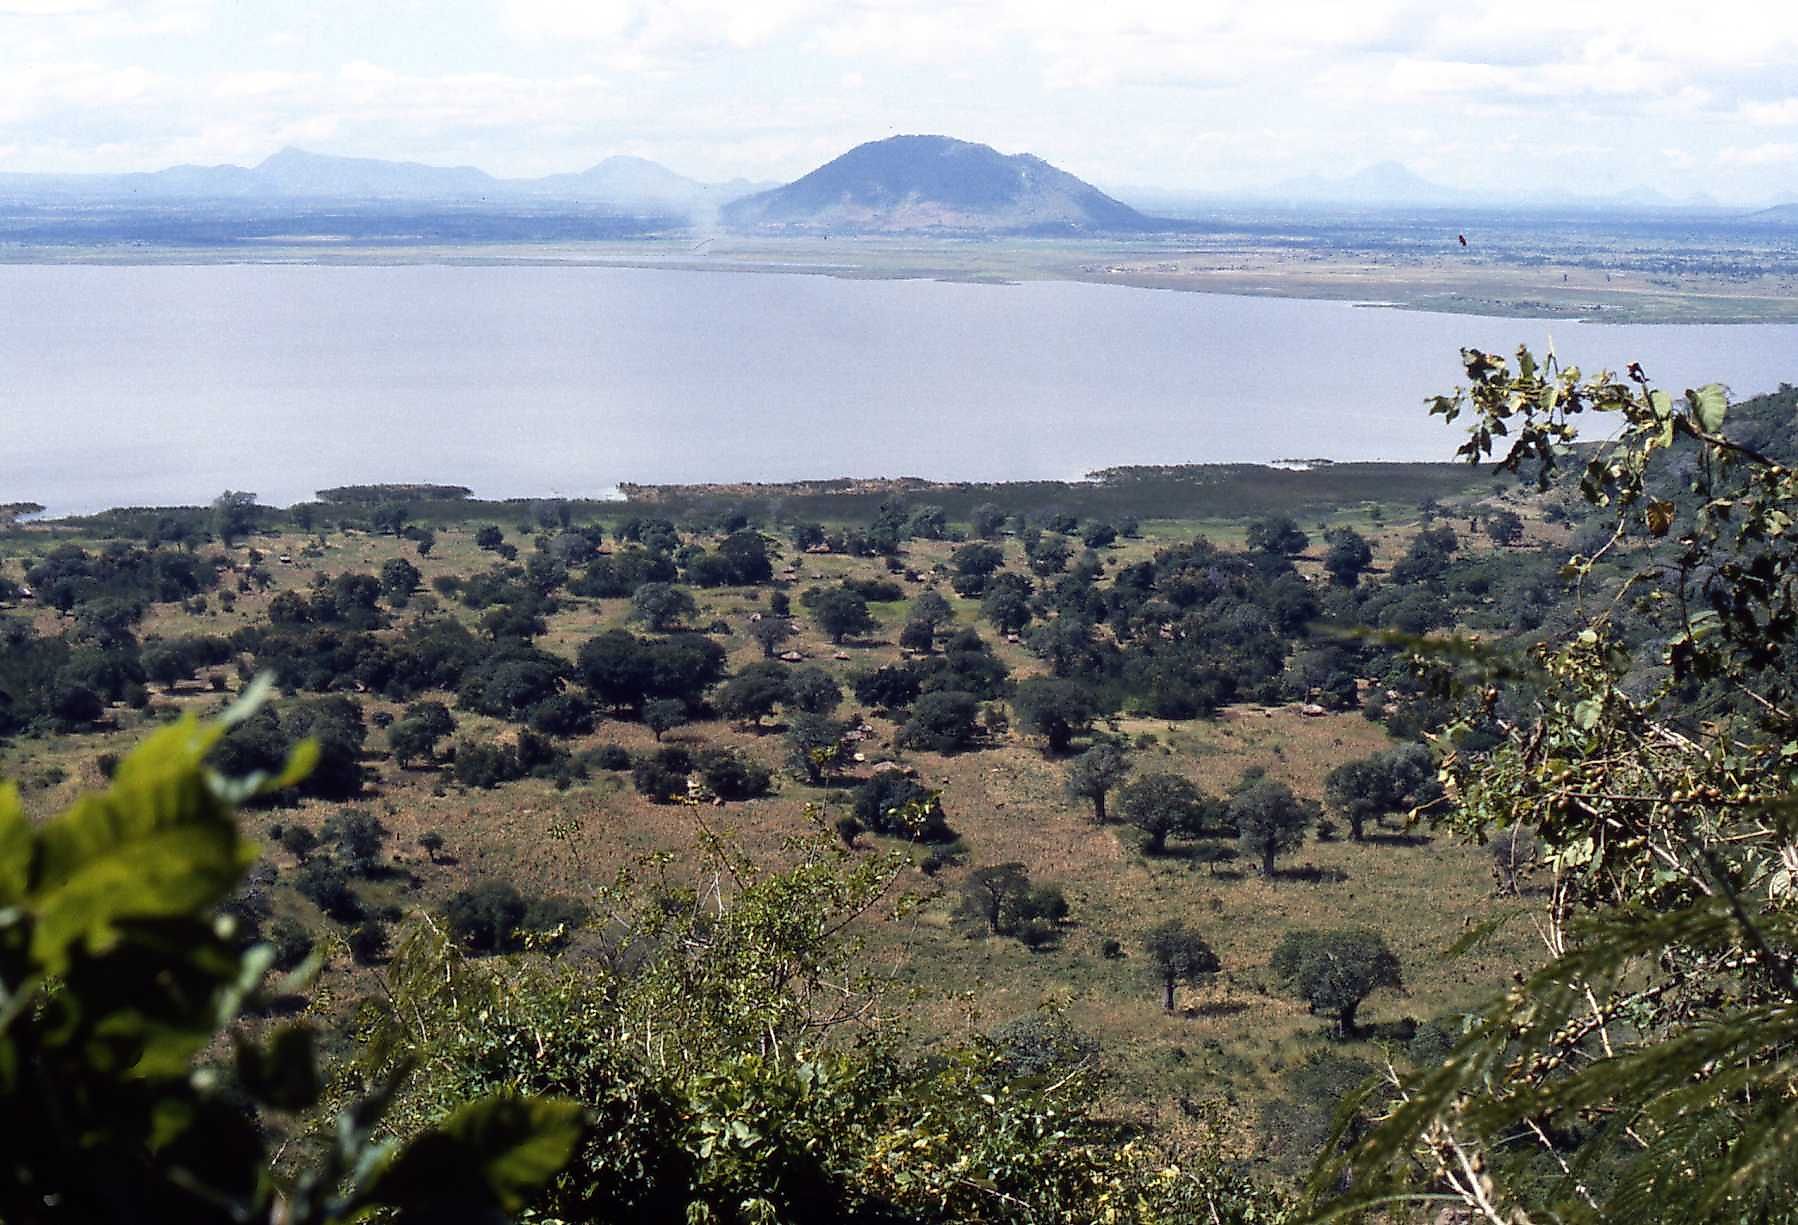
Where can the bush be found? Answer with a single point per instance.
(893, 804)
(486, 917)
(291, 943)
(941, 722)
(564, 714)
(326, 884)
(485, 766)
(611, 757)
(369, 942)
(658, 781)
(732, 776)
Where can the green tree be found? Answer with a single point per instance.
(813, 691)
(1504, 527)
(662, 606)
(167, 663)
(663, 715)
(1347, 557)
(942, 722)
(753, 693)
(1096, 773)
(932, 609)
(1392, 781)
(769, 633)
(412, 741)
(1179, 954)
(840, 613)
(1007, 609)
(1270, 821)
(358, 835)
(399, 579)
(1000, 900)
(987, 521)
(1162, 804)
(1335, 971)
(1277, 535)
(1056, 709)
(816, 745)
(234, 516)
(298, 840)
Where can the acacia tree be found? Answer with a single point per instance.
(1096, 773)
(1335, 971)
(1179, 954)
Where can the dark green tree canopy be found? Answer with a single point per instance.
(1334, 971)
(1096, 773)
(1270, 820)
(1179, 954)
(1162, 804)
(1056, 709)
(840, 613)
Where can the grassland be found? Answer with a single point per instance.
(1236, 1040)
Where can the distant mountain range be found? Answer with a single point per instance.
(937, 184)
(1385, 183)
(623, 183)
(904, 184)
(1779, 214)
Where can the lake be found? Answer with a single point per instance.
(165, 384)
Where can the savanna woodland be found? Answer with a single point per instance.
(1193, 844)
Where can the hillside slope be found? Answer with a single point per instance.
(936, 183)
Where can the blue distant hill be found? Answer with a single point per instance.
(938, 184)
(623, 184)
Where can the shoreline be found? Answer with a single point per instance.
(1427, 284)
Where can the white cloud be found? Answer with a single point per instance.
(1782, 113)
(1770, 154)
(1206, 92)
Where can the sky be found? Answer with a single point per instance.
(1591, 97)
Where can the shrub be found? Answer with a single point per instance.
(892, 804)
(611, 757)
(658, 781)
(326, 884)
(369, 941)
(486, 917)
(941, 722)
(732, 776)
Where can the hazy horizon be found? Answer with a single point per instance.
(1588, 100)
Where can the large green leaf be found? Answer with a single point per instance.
(1709, 404)
(15, 847)
(499, 1151)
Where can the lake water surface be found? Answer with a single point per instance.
(166, 384)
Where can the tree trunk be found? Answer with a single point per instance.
(1167, 999)
(1099, 808)
(1345, 1020)
(1356, 821)
(1267, 860)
